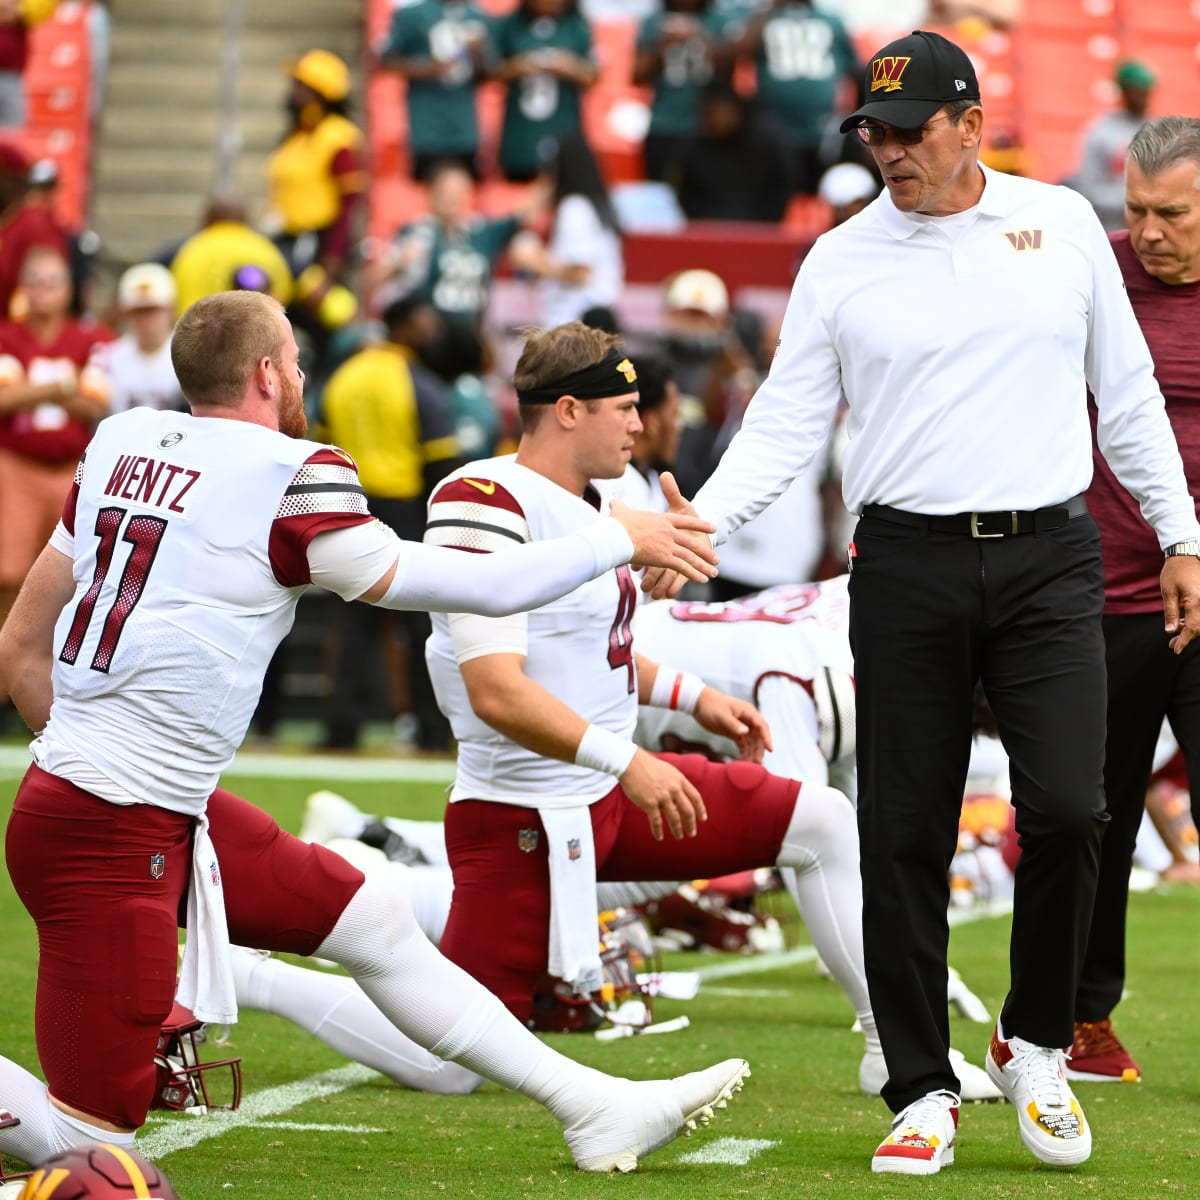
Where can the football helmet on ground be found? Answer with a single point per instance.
(184, 1081)
(626, 951)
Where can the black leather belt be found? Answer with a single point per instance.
(984, 524)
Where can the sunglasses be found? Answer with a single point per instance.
(875, 134)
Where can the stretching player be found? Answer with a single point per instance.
(137, 648)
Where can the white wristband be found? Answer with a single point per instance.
(678, 690)
(603, 750)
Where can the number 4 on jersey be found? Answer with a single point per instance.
(620, 639)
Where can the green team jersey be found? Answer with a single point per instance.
(539, 106)
(441, 112)
(686, 68)
(803, 54)
(454, 268)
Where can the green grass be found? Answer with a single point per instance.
(794, 1030)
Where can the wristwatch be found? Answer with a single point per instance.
(1188, 547)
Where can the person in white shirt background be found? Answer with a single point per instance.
(961, 317)
(139, 361)
(582, 265)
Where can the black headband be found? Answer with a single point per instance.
(613, 375)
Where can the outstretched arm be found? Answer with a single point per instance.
(439, 579)
(26, 640)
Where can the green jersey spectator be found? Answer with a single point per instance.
(441, 48)
(546, 61)
(447, 256)
(800, 55)
(678, 52)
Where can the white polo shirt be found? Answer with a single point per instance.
(964, 346)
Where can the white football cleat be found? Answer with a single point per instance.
(328, 815)
(635, 1119)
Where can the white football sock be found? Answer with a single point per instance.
(336, 1010)
(44, 1130)
(444, 1009)
(820, 860)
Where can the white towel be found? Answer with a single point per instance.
(206, 974)
(574, 919)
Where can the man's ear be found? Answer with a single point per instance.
(567, 410)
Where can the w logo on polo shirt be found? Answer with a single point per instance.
(1025, 239)
(887, 72)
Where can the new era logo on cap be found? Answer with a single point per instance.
(911, 78)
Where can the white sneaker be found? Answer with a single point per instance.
(1051, 1121)
(328, 815)
(922, 1138)
(872, 1073)
(974, 1085)
(635, 1119)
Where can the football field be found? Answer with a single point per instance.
(313, 1125)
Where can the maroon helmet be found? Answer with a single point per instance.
(184, 1081)
(98, 1172)
(626, 951)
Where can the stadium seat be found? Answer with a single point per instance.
(1163, 19)
(614, 41)
(58, 95)
(1077, 17)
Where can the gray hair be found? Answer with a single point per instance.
(1165, 142)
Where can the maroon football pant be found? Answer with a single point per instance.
(499, 922)
(107, 885)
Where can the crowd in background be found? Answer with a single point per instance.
(405, 348)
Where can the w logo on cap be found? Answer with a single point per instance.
(887, 72)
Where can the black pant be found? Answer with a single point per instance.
(930, 614)
(1147, 682)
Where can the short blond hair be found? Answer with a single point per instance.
(551, 354)
(218, 343)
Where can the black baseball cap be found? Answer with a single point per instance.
(911, 78)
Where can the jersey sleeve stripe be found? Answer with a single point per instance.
(470, 535)
(308, 489)
(468, 489)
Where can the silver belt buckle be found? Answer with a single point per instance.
(975, 527)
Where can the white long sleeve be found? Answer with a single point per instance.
(439, 579)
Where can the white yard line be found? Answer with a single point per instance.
(14, 760)
(181, 1132)
(728, 1151)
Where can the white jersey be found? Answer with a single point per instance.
(578, 648)
(139, 380)
(189, 538)
(772, 649)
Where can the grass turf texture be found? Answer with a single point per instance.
(373, 1138)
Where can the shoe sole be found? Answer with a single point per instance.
(886, 1164)
(1075, 1157)
(1093, 1077)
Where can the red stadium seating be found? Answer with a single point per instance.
(58, 94)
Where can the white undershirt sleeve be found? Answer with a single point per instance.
(476, 637)
(349, 561)
(441, 579)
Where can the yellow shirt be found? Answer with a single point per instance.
(371, 412)
(205, 263)
(305, 194)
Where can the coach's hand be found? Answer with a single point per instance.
(661, 583)
(737, 720)
(1180, 583)
(663, 794)
(674, 542)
